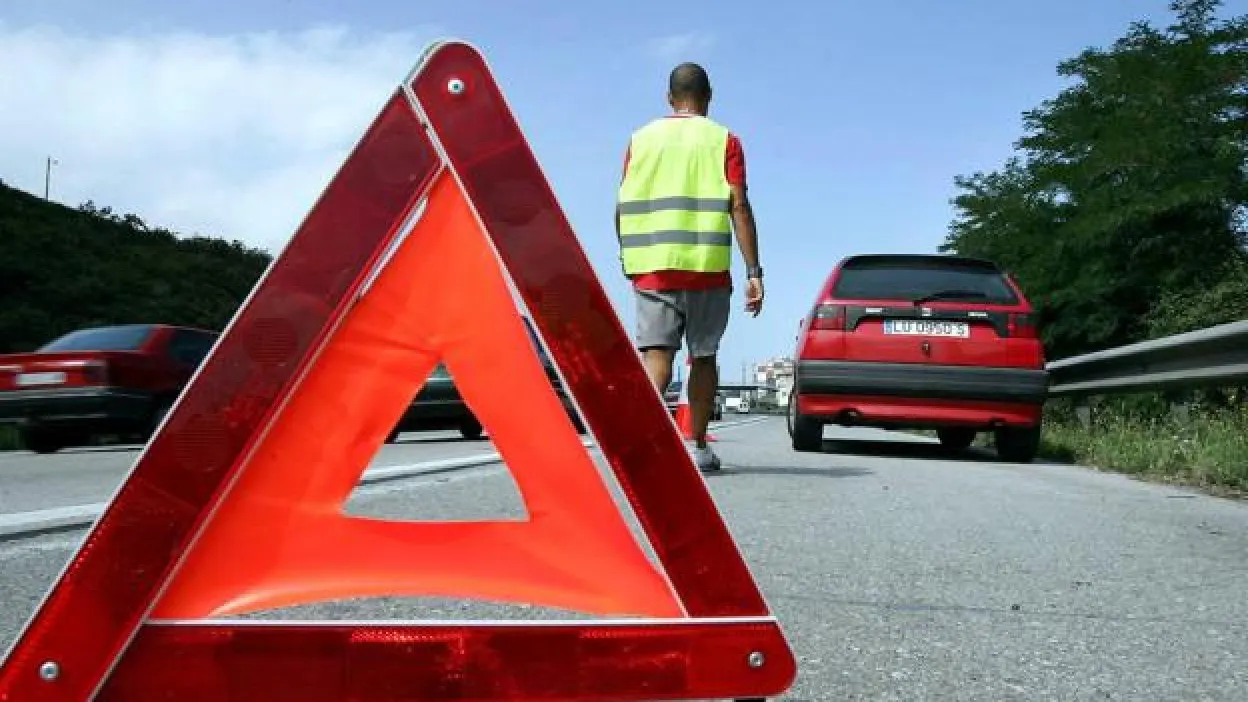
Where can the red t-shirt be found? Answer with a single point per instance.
(734, 171)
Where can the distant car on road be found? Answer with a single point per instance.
(438, 404)
(671, 396)
(118, 380)
(671, 399)
(921, 342)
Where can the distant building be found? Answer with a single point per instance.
(775, 378)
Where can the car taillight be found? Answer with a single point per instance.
(1023, 326)
(829, 318)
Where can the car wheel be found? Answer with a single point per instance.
(956, 438)
(471, 429)
(42, 440)
(1017, 444)
(805, 432)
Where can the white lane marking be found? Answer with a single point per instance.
(24, 524)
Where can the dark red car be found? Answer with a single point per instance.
(921, 342)
(118, 380)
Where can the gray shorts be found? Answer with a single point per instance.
(665, 317)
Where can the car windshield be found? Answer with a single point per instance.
(121, 338)
(922, 279)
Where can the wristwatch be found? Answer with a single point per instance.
(754, 272)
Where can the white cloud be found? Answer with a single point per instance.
(231, 136)
(672, 48)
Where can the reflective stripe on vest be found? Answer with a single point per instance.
(674, 200)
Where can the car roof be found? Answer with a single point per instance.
(145, 325)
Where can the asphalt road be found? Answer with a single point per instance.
(31, 482)
(901, 572)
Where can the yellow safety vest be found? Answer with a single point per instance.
(674, 200)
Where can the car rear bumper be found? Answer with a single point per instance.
(75, 405)
(923, 382)
(439, 405)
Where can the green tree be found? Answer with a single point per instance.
(62, 269)
(1184, 311)
(1126, 185)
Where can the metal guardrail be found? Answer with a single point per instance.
(1212, 357)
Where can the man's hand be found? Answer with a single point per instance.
(754, 296)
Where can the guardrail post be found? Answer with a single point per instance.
(1083, 411)
(1181, 412)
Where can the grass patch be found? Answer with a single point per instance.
(1208, 449)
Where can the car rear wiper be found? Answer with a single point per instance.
(950, 295)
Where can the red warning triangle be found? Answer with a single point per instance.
(236, 504)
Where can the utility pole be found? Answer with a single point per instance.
(47, 176)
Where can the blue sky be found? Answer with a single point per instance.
(854, 116)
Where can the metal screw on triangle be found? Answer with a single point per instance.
(50, 671)
(455, 86)
(757, 659)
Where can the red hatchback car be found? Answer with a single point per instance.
(915, 341)
(117, 380)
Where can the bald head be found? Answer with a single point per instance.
(689, 87)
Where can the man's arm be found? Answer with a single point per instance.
(742, 213)
(743, 225)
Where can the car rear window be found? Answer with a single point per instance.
(123, 338)
(913, 279)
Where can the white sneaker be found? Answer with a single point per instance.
(704, 458)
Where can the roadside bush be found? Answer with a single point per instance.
(1206, 445)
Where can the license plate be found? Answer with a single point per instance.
(927, 327)
(26, 380)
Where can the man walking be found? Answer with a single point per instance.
(682, 197)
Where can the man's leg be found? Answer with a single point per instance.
(707, 317)
(703, 381)
(660, 326)
(658, 363)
